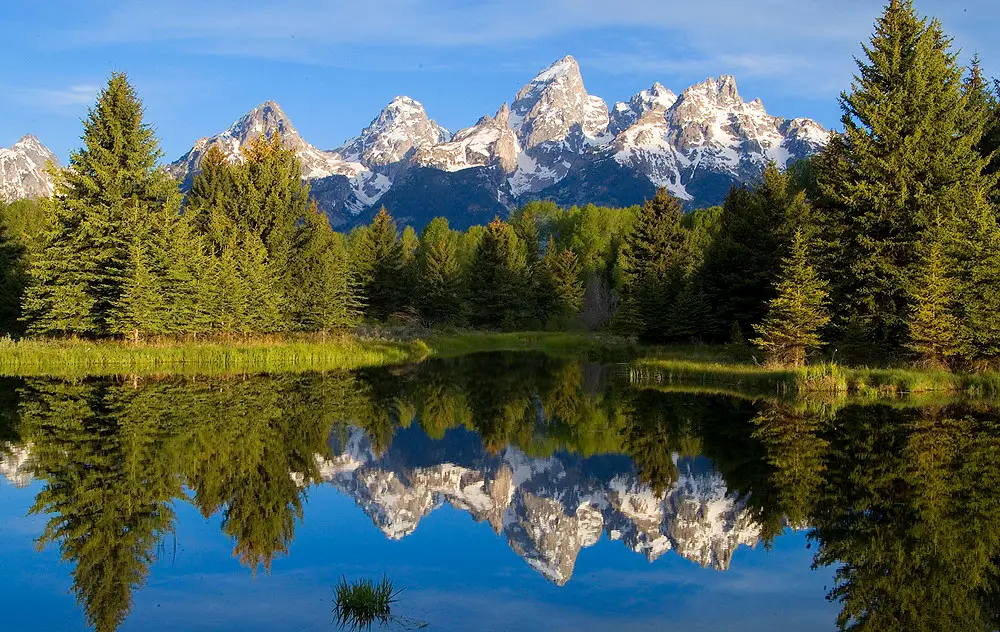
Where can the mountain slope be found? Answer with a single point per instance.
(23, 170)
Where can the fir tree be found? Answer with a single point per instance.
(439, 275)
(907, 154)
(797, 314)
(756, 227)
(498, 277)
(933, 327)
(654, 258)
(562, 288)
(13, 280)
(380, 254)
(211, 188)
(86, 256)
(323, 293)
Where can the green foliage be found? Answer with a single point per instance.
(360, 604)
(561, 285)
(908, 156)
(656, 256)
(321, 292)
(499, 277)
(439, 275)
(377, 253)
(755, 230)
(84, 260)
(797, 313)
(933, 328)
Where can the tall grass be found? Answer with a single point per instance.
(82, 357)
(819, 378)
(358, 605)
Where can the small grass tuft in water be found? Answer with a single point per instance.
(359, 605)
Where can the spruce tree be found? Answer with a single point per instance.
(757, 224)
(907, 154)
(797, 313)
(211, 188)
(85, 260)
(562, 287)
(654, 258)
(380, 251)
(322, 297)
(933, 327)
(439, 277)
(497, 278)
(13, 280)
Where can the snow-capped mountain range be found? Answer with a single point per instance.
(554, 141)
(548, 509)
(23, 171)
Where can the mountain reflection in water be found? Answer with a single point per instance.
(902, 501)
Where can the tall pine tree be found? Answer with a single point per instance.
(111, 187)
(797, 313)
(655, 259)
(907, 155)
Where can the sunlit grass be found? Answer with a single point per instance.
(359, 605)
(82, 357)
(828, 378)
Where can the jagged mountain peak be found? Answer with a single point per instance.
(722, 90)
(23, 170)
(394, 135)
(269, 119)
(626, 114)
(552, 103)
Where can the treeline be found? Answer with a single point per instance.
(885, 246)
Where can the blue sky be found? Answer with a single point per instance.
(332, 65)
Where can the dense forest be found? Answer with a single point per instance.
(885, 246)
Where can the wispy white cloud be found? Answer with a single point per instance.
(57, 98)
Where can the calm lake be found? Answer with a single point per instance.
(500, 492)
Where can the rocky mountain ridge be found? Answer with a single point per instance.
(554, 141)
(23, 170)
(548, 509)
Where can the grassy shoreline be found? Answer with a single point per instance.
(692, 366)
(826, 378)
(73, 358)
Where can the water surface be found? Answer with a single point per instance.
(501, 492)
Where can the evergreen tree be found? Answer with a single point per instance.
(907, 154)
(562, 286)
(13, 280)
(497, 279)
(85, 259)
(655, 258)
(211, 188)
(797, 314)
(439, 277)
(933, 328)
(756, 227)
(379, 254)
(322, 297)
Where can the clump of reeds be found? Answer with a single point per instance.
(359, 605)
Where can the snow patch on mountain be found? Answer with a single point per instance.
(489, 142)
(400, 128)
(23, 170)
(549, 509)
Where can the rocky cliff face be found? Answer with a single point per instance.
(401, 128)
(548, 509)
(555, 141)
(23, 170)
